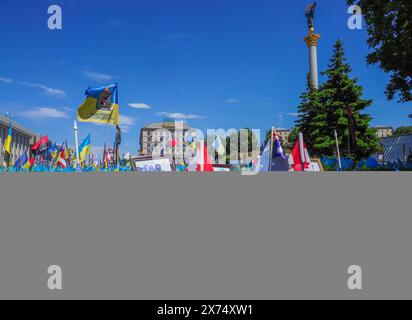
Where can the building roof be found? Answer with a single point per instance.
(394, 147)
(163, 125)
(6, 122)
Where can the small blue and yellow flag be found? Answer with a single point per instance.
(7, 146)
(84, 149)
(101, 106)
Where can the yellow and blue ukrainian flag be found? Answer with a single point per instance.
(84, 149)
(101, 105)
(22, 163)
(7, 146)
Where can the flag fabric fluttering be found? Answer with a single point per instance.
(218, 146)
(84, 149)
(40, 146)
(264, 163)
(117, 143)
(67, 154)
(278, 151)
(278, 158)
(107, 158)
(7, 146)
(201, 162)
(21, 162)
(297, 160)
(61, 158)
(100, 106)
(53, 152)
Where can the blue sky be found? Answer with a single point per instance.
(216, 63)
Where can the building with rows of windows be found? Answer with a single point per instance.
(158, 132)
(22, 139)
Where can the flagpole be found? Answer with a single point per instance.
(9, 116)
(202, 155)
(337, 150)
(302, 151)
(76, 129)
(272, 132)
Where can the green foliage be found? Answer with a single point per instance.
(337, 105)
(389, 24)
(294, 136)
(233, 142)
(402, 130)
(312, 119)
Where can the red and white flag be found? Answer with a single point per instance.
(201, 162)
(299, 158)
(61, 162)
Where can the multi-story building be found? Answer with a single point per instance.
(384, 131)
(22, 138)
(157, 132)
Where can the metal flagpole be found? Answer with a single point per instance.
(271, 148)
(76, 129)
(302, 150)
(202, 155)
(338, 151)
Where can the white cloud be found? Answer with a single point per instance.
(139, 106)
(126, 122)
(7, 80)
(232, 101)
(290, 114)
(98, 77)
(42, 113)
(59, 93)
(179, 116)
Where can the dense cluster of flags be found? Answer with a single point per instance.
(45, 156)
(101, 106)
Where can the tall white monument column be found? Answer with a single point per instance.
(312, 42)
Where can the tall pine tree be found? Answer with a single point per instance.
(312, 117)
(337, 105)
(344, 110)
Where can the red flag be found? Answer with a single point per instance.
(296, 158)
(201, 162)
(207, 163)
(40, 145)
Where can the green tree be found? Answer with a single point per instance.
(402, 130)
(342, 103)
(389, 24)
(294, 136)
(312, 120)
(233, 142)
